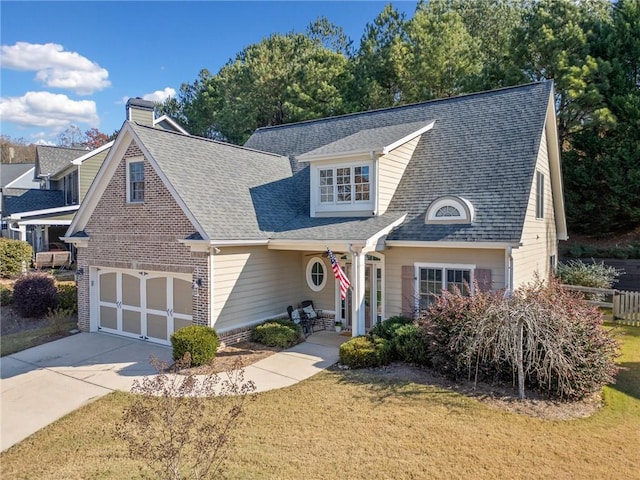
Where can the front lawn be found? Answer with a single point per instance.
(361, 424)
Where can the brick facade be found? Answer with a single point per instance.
(140, 236)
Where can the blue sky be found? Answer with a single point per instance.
(77, 62)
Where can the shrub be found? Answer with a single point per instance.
(35, 294)
(387, 329)
(174, 428)
(362, 352)
(445, 321)
(12, 254)
(200, 341)
(546, 337)
(6, 295)
(598, 275)
(409, 346)
(277, 333)
(68, 296)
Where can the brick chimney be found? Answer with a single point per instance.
(140, 111)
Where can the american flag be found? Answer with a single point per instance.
(339, 274)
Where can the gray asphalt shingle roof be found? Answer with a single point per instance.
(50, 160)
(367, 139)
(10, 171)
(234, 192)
(18, 200)
(304, 227)
(483, 147)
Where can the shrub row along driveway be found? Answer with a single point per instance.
(44, 383)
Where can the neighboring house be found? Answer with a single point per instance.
(15, 177)
(64, 176)
(412, 200)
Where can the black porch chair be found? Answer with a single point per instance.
(308, 310)
(296, 317)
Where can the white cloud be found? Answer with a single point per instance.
(42, 141)
(55, 67)
(160, 95)
(45, 109)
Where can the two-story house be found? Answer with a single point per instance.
(412, 200)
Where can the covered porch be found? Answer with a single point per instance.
(360, 256)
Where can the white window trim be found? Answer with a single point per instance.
(443, 267)
(310, 264)
(352, 184)
(128, 163)
(463, 206)
(335, 208)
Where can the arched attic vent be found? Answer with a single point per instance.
(450, 209)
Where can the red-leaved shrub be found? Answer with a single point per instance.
(34, 294)
(548, 338)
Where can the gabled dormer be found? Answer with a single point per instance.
(356, 176)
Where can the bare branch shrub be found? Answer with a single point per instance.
(546, 338)
(182, 426)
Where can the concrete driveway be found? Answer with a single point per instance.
(44, 383)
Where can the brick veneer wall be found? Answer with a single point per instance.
(141, 236)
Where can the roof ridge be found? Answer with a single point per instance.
(62, 147)
(204, 139)
(400, 107)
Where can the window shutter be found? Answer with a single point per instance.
(483, 279)
(408, 291)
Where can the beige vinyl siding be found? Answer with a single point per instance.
(252, 284)
(539, 239)
(391, 167)
(325, 298)
(88, 171)
(396, 257)
(141, 116)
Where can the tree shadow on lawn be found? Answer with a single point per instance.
(628, 379)
(404, 381)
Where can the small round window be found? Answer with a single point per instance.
(316, 274)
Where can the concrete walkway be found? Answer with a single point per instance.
(44, 383)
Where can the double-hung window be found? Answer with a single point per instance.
(135, 181)
(434, 279)
(342, 185)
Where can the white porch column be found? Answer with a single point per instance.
(358, 285)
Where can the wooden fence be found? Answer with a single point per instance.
(625, 305)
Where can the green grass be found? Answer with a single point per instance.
(17, 342)
(357, 424)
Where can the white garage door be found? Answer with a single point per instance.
(146, 305)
